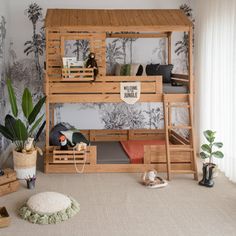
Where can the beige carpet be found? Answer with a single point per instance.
(117, 205)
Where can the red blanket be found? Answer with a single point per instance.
(135, 148)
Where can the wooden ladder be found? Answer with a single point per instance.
(179, 101)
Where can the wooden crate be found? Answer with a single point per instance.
(77, 74)
(9, 176)
(8, 182)
(4, 217)
(73, 156)
(9, 187)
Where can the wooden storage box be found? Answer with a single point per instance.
(4, 217)
(8, 182)
(73, 156)
(77, 74)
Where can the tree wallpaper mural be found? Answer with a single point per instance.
(37, 44)
(25, 68)
(3, 31)
(82, 49)
(182, 45)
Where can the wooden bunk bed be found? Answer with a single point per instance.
(178, 153)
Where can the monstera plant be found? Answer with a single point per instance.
(24, 133)
(210, 150)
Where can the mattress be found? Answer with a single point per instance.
(168, 88)
(110, 153)
(135, 148)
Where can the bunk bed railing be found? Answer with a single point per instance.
(103, 89)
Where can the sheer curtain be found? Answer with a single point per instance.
(215, 72)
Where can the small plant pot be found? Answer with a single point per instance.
(207, 178)
(30, 184)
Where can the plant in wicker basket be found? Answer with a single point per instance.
(24, 133)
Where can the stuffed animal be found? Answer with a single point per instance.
(91, 63)
(152, 180)
(63, 142)
(29, 144)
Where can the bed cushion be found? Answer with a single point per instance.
(111, 153)
(151, 69)
(168, 88)
(135, 148)
(165, 71)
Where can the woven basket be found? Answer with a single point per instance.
(24, 164)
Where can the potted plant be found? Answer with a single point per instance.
(24, 133)
(209, 151)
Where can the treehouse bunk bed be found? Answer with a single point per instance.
(174, 153)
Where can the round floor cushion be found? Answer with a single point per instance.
(49, 208)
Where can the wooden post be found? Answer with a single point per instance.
(190, 59)
(169, 47)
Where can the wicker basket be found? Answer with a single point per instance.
(25, 164)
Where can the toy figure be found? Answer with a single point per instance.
(63, 142)
(91, 63)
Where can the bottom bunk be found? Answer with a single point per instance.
(121, 151)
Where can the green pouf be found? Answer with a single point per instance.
(49, 208)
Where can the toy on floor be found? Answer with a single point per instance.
(151, 180)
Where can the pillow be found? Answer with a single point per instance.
(139, 71)
(117, 69)
(151, 69)
(165, 71)
(125, 69)
(129, 69)
(56, 132)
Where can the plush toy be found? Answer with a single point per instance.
(63, 142)
(91, 63)
(152, 180)
(29, 144)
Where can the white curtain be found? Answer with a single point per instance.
(215, 72)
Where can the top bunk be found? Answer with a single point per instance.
(64, 27)
(166, 20)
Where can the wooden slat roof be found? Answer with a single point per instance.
(115, 20)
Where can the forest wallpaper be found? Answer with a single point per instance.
(27, 71)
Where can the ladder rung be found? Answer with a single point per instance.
(183, 149)
(183, 171)
(179, 127)
(178, 106)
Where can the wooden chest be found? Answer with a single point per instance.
(8, 182)
(4, 217)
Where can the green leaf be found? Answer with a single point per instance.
(203, 155)
(36, 124)
(218, 154)
(36, 110)
(21, 131)
(40, 131)
(5, 132)
(209, 135)
(12, 98)
(27, 104)
(206, 148)
(10, 125)
(219, 144)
